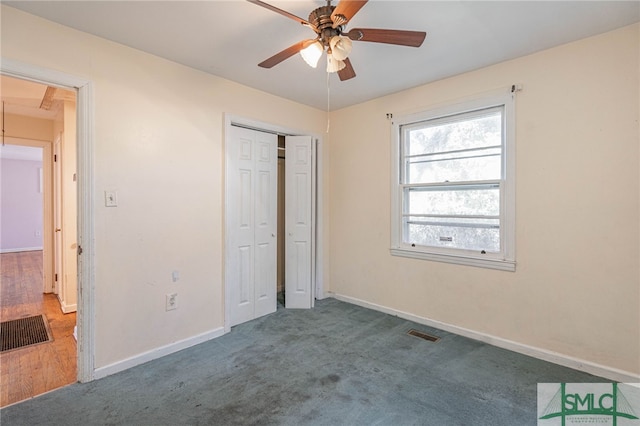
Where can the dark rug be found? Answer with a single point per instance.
(22, 332)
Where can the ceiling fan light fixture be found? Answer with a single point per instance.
(328, 23)
(311, 54)
(340, 47)
(333, 64)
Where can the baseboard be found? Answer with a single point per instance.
(543, 354)
(156, 353)
(67, 309)
(20, 249)
(324, 295)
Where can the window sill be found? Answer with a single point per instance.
(502, 265)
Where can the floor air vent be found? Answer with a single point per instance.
(24, 332)
(425, 336)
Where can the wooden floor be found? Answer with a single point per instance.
(36, 369)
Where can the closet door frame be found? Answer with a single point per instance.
(317, 279)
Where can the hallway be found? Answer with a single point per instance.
(33, 370)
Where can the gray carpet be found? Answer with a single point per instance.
(337, 364)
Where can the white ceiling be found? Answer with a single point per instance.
(229, 38)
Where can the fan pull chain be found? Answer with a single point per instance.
(328, 102)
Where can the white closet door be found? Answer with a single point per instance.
(266, 223)
(252, 174)
(299, 184)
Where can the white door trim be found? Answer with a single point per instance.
(231, 119)
(85, 131)
(57, 214)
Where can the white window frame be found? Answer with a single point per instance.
(503, 260)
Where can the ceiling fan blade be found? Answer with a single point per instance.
(281, 12)
(285, 54)
(401, 37)
(347, 8)
(347, 72)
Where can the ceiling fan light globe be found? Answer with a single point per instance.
(312, 53)
(340, 47)
(333, 64)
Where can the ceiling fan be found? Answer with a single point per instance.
(329, 22)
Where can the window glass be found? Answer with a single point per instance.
(458, 237)
(482, 164)
(454, 201)
(459, 148)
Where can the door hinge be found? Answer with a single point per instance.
(79, 250)
(56, 277)
(55, 157)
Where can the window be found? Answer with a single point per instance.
(453, 184)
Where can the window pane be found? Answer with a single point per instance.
(457, 237)
(454, 201)
(463, 131)
(458, 148)
(480, 165)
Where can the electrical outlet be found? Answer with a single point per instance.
(172, 301)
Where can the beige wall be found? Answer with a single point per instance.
(159, 143)
(576, 287)
(20, 126)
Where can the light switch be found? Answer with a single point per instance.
(111, 198)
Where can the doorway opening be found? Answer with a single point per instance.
(85, 215)
(34, 283)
